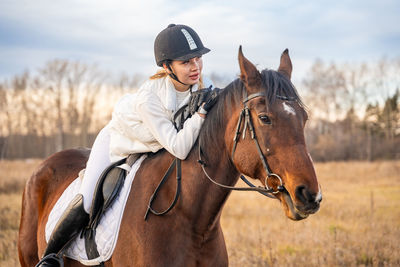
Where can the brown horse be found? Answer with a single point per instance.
(190, 234)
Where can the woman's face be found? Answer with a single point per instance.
(188, 72)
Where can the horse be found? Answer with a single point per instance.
(269, 137)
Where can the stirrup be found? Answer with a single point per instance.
(51, 260)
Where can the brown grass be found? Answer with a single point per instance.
(13, 175)
(358, 224)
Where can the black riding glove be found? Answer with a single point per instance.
(198, 98)
(212, 98)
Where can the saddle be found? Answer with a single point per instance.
(107, 189)
(112, 179)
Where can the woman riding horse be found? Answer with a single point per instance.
(142, 122)
(255, 128)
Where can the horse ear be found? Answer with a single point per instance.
(248, 72)
(285, 67)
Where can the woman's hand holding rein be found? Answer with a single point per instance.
(202, 101)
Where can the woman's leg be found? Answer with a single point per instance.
(98, 160)
(76, 216)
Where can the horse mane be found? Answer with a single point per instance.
(275, 85)
(279, 86)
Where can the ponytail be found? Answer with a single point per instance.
(161, 73)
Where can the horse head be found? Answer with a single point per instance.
(278, 156)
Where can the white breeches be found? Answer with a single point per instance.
(99, 159)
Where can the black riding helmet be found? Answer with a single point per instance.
(177, 42)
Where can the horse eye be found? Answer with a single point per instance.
(264, 119)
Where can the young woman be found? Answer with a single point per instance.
(142, 122)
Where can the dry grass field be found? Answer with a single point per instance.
(358, 223)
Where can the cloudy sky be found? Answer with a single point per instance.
(118, 35)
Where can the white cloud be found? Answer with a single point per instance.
(119, 34)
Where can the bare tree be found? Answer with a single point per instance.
(354, 108)
(53, 77)
(325, 86)
(345, 123)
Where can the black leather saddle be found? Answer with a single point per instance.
(107, 189)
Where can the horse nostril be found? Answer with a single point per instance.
(304, 195)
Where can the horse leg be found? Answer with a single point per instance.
(27, 241)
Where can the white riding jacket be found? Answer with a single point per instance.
(142, 122)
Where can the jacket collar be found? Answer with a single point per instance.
(170, 96)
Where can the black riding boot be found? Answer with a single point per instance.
(73, 220)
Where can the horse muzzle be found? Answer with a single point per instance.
(307, 202)
(304, 203)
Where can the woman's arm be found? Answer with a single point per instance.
(159, 124)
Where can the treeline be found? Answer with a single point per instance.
(354, 109)
(61, 106)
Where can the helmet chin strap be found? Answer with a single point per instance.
(173, 76)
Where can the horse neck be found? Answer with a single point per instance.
(207, 199)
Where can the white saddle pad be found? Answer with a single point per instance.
(108, 228)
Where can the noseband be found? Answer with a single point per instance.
(245, 114)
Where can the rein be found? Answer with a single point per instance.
(176, 162)
(179, 119)
(245, 114)
(246, 119)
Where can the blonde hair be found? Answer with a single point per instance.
(161, 73)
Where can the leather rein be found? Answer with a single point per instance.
(245, 119)
(247, 122)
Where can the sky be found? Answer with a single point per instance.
(118, 35)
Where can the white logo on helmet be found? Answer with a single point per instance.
(189, 39)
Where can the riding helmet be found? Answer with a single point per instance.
(178, 42)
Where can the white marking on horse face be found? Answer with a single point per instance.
(318, 198)
(289, 110)
(319, 194)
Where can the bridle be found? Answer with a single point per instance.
(245, 119)
(247, 122)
